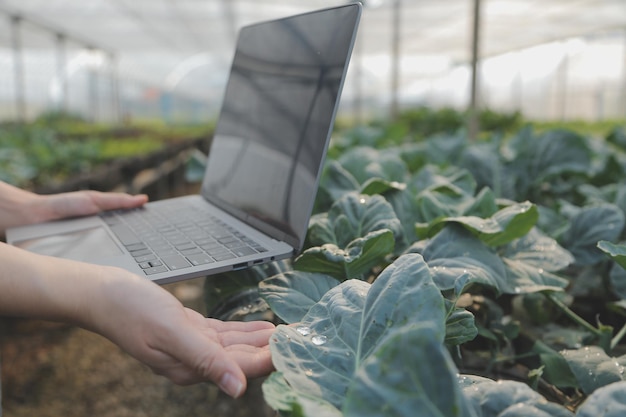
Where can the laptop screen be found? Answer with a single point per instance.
(276, 119)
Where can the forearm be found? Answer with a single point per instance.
(34, 286)
(17, 207)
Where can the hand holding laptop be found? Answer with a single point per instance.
(142, 318)
(20, 207)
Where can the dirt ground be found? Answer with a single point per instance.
(54, 370)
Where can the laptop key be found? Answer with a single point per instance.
(141, 252)
(155, 270)
(175, 262)
(223, 256)
(146, 258)
(200, 259)
(125, 235)
(243, 251)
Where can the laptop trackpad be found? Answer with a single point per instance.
(82, 245)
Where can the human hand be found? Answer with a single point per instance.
(83, 203)
(20, 207)
(139, 316)
(152, 325)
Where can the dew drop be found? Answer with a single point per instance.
(304, 330)
(308, 372)
(319, 340)
(362, 201)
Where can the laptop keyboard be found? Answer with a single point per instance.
(193, 238)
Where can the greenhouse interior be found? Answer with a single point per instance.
(465, 253)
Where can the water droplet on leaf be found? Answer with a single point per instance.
(304, 330)
(319, 339)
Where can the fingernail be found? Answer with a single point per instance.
(231, 385)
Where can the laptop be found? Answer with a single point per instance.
(262, 172)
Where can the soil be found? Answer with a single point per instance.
(54, 370)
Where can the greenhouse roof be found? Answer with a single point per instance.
(162, 42)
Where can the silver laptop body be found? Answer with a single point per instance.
(263, 168)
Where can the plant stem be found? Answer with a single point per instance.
(569, 313)
(618, 337)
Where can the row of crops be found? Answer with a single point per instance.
(443, 276)
(56, 147)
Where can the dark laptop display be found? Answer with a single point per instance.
(279, 103)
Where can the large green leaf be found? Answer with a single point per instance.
(505, 225)
(484, 162)
(365, 163)
(320, 357)
(450, 180)
(531, 261)
(559, 151)
(404, 205)
(460, 327)
(354, 261)
(410, 372)
(608, 401)
(455, 256)
(335, 182)
(291, 294)
(556, 370)
(615, 252)
(589, 226)
(457, 259)
(295, 403)
(593, 368)
(353, 216)
(507, 399)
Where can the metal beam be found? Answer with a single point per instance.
(61, 63)
(473, 125)
(395, 57)
(18, 68)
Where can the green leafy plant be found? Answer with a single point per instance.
(456, 278)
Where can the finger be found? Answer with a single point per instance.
(258, 338)
(254, 362)
(243, 326)
(110, 201)
(82, 203)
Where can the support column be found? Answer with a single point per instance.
(562, 84)
(61, 64)
(114, 85)
(623, 98)
(92, 91)
(18, 68)
(473, 125)
(358, 82)
(395, 58)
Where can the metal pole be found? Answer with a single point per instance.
(395, 58)
(115, 89)
(18, 68)
(623, 79)
(358, 80)
(562, 84)
(61, 63)
(473, 125)
(92, 91)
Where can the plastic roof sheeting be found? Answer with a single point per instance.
(186, 45)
